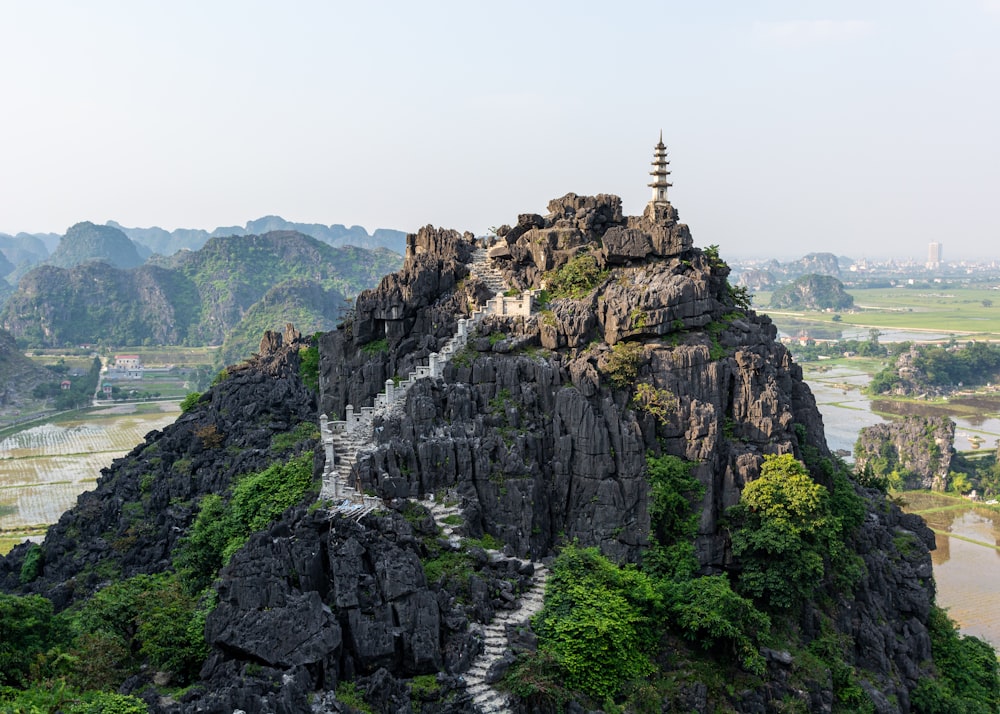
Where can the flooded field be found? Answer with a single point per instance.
(966, 562)
(43, 469)
(967, 559)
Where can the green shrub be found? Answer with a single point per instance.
(222, 527)
(348, 694)
(661, 403)
(709, 613)
(622, 365)
(376, 347)
(575, 279)
(288, 440)
(148, 618)
(673, 493)
(32, 565)
(188, 402)
(28, 629)
(309, 367)
(968, 679)
(598, 624)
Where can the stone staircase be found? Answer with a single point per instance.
(344, 440)
(485, 698)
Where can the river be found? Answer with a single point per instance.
(967, 558)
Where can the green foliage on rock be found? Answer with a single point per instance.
(598, 623)
(57, 696)
(28, 629)
(150, 619)
(309, 364)
(188, 402)
(32, 565)
(790, 532)
(222, 526)
(673, 492)
(622, 365)
(968, 680)
(576, 278)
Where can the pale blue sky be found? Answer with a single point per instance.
(863, 128)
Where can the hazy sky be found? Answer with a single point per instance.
(863, 128)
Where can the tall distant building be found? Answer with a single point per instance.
(934, 256)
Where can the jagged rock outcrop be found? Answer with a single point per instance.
(915, 450)
(538, 430)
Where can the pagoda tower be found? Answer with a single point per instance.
(660, 173)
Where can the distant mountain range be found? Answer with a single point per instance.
(193, 297)
(88, 242)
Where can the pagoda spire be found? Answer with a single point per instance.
(660, 173)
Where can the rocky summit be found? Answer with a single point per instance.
(494, 419)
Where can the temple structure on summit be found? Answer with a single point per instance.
(660, 173)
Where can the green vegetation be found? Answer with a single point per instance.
(32, 564)
(145, 620)
(968, 678)
(673, 493)
(188, 402)
(375, 347)
(309, 364)
(661, 403)
(81, 389)
(622, 365)
(598, 624)
(576, 279)
(974, 364)
(222, 526)
(789, 532)
(304, 431)
(601, 627)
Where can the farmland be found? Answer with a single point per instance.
(44, 468)
(967, 312)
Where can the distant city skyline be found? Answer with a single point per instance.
(862, 129)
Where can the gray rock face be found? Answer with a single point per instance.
(919, 448)
(538, 429)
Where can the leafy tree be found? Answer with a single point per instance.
(781, 516)
(598, 623)
(708, 612)
(28, 628)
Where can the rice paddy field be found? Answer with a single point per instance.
(969, 312)
(44, 468)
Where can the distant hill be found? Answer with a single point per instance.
(771, 274)
(813, 292)
(23, 251)
(18, 374)
(193, 297)
(307, 305)
(167, 243)
(86, 242)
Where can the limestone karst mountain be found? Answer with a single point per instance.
(583, 404)
(194, 297)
